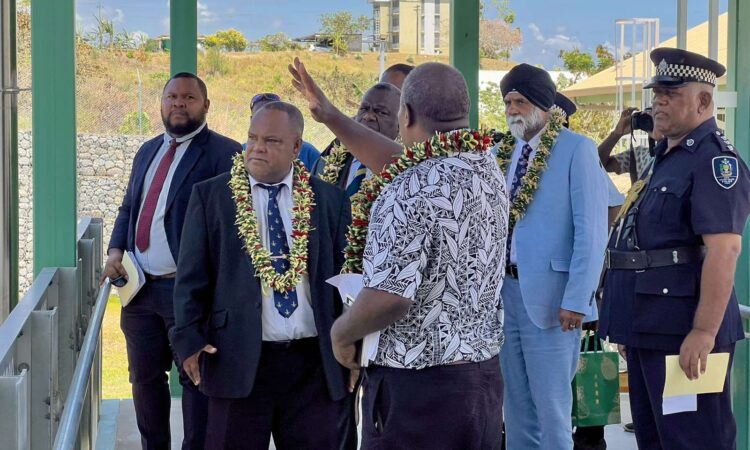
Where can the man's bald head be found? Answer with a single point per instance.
(436, 97)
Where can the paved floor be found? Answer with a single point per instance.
(118, 431)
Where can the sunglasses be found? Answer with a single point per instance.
(267, 97)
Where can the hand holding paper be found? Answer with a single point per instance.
(349, 286)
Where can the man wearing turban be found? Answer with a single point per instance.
(558, 215)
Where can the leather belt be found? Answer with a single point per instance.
(150, 277)
(291, 344)
(646, 259)
(512, 270)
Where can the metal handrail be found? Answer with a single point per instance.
(745, 314)
(67, 432)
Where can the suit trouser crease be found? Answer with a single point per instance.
(538, 367)
(146, 322)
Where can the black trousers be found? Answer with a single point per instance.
(146, 322)
(289, 400)
(712, 426)
(445, 407)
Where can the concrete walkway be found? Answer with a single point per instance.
(118, 430)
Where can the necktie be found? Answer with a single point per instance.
(522, 166)
(359, 175)
(143, 233)
(285, 302)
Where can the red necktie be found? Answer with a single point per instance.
(143, 233)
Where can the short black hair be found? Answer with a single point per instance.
(201, 84)
(385, 87)
(400, 67)
(294, 114)
(437, 94)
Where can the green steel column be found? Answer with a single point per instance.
(465, 49)
(738, 122)
(54, 132)
(183, 28)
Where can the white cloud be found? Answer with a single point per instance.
(139, 37)
(119, 16)
(205, 15)
(536, 32)
(555, 43)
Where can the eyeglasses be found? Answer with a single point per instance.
(266, 97)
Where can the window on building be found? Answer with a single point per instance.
(394, 22)
(437, 41)
(394, 39)
(376, 21)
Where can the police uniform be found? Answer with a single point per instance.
(655, 258)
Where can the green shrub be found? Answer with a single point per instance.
(131, 125)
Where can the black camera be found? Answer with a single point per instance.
(642, 120)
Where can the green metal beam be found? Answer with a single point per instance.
(465, 49)
(738, 127)
(54, 132)
(183, 29)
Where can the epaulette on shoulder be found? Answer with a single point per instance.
(724, 142)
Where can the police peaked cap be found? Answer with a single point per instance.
(533, 83)
(676, 67)
(565, 104)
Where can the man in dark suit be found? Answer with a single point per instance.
(263, 354)
(377, 111)
(149, 224)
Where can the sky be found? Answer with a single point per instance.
(548, 26)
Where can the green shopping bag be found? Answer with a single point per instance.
(596, 386)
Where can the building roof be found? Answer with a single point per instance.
(604, 82)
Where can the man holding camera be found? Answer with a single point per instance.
(672, 257)
(638, 158)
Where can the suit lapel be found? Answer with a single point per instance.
(140, 172)
(192, 154)
(313, 245)
(344, 174)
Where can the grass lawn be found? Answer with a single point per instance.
(114, 358)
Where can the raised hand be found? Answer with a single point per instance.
(321, 108)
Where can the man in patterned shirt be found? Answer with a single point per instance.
(433, 263)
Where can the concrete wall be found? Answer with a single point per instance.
(103, 168)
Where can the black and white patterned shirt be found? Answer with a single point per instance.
(437, 237)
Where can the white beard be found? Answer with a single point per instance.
(519, 125)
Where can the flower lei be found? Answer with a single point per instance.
(247, 225)
(439, 145)
(538, 165)
(334, 163)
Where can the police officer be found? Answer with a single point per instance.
(672, 256)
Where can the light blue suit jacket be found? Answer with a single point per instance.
(560, 241)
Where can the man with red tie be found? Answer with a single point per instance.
(149, 224)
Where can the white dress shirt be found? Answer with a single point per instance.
(301, 323)
(520, 143)
(157, 259)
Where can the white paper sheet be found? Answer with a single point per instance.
(349, 286)
(679, 403)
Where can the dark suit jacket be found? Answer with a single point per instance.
(217, 297)
(320, 165)
(208, 155)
